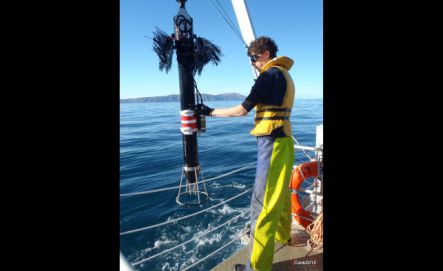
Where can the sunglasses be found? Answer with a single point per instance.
(254, 58)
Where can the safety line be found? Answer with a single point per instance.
(310, 159)
(304, 217)
(184, 217)
(176, 187)
(207, 256)
(193, 239)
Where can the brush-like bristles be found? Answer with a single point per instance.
(163, 46)
(205, 52)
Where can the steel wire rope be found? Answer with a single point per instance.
(193, 239)
(304, 217)
(228, 18)
(229, 22)
(184, 185)
(214, 252)
(184, 217)
(310, 159)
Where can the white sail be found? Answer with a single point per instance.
(245, 24)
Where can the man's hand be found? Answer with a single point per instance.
(204, 110)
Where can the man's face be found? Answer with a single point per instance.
(260, 59)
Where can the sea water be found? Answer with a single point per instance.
(151, 157)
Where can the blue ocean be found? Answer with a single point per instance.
(151, 158)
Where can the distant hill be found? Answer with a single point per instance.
(176, 98)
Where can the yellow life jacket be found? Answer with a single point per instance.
(270, 117)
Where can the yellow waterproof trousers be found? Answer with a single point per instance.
(271, 200)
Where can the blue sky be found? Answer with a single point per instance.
(295, 25)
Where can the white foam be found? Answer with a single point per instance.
(187, 229)
(189, 261)
(240, 186)
(159, 243)
(146, 250)
(210, 240)
(167, 266)
(226, 210)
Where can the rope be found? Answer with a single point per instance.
(184, 217)
(228, 21)
(193, 239)
(232, 241)
(307, 191)
(180, 186)
(196, 89)
(304, 217)
(315, 229)
(310, 159)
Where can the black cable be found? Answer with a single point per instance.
(227, 16)
(196, 88)
(230, 23)
(198, 92)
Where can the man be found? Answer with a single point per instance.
(272, 96)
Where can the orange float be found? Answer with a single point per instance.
(299, 174)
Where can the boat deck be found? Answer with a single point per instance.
(294, 256)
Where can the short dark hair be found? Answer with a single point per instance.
(261, 44)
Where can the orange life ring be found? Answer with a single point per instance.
(299, 174)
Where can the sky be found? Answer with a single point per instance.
(295, 25)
